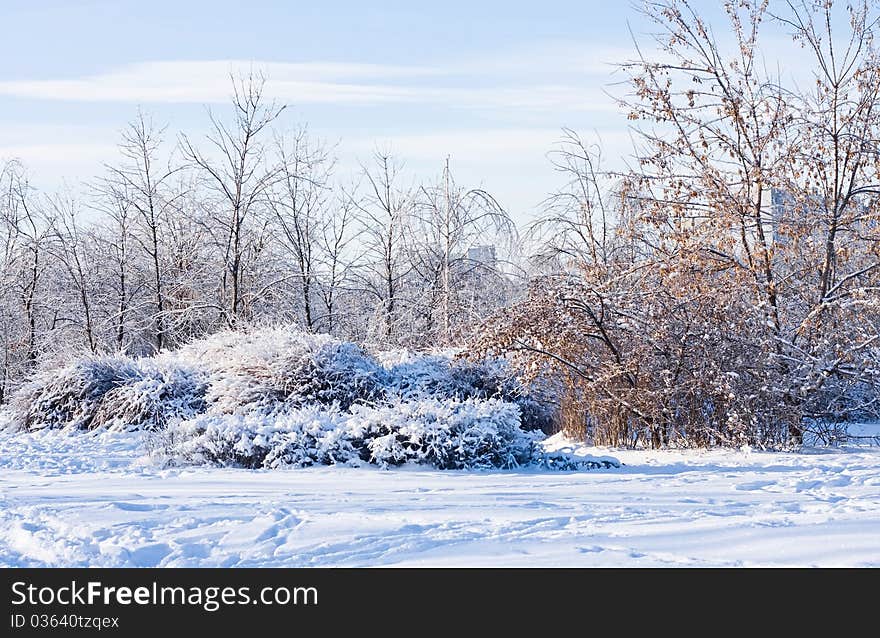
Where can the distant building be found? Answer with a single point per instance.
(483, 255)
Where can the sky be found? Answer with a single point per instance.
(488, 84)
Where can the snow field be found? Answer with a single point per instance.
(76, 499)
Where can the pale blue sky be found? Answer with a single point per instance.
(488, 83)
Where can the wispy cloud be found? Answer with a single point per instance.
(569, 58)
(511, 82)
(58, 152)
(510, 144)
(500, 146)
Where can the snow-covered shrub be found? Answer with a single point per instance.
(306, 436)
(416, 376)
(411, 376)
(115, 392)
(448, 434)
(69, 397)
(272, 370)
(279, 397)
(161, 395)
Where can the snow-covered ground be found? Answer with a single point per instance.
(79, 499)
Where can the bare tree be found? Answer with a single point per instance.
(338, 240)
(383, 213)
(774, 183)
(24, 262)
(148, 184)
(190, 305)
(74, 253)
(299, 205)
(454, 236)
(580, 219)
(115, 241)
(236, 171)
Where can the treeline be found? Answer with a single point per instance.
(183, 237)
(723, 290)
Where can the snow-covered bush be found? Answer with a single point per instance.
(410, 376)
(282, 398)
(297, 438)
(114, 392)
(70, 397)
(447, 434)
(162, 395)
(275, 369)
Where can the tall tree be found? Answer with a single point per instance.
(74, 251)
(237, 171)
(454, 236)
(25, 236)
(383, 213)
(299, 210)
(150, 189)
